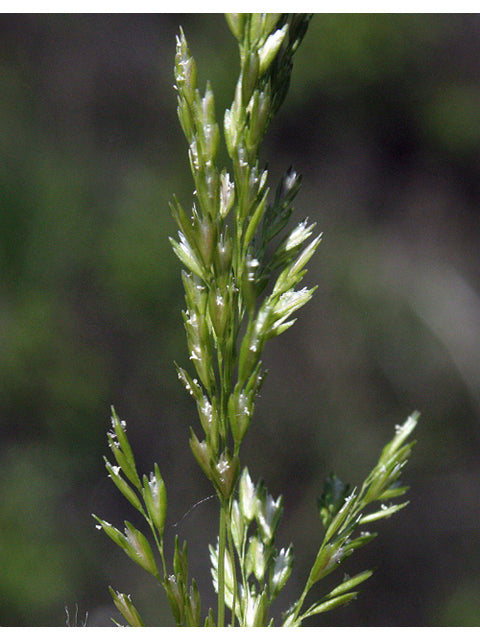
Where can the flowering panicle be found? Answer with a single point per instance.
(223, 242)
(243, 268)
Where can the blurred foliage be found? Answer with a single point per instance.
(382, 119)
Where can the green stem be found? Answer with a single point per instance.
(232, 555)
(221, 563)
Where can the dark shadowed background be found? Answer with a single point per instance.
(383, 121)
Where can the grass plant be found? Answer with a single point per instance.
(243, 267)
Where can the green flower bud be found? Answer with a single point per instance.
(238, 525)
(124, 604)
(236, 22)
(247, 497)
(270, 20)
(138, 549)
(195, 293)
(175, 598)
(261, 612)
(185, 253)
(111, 531)
(122, 485)
(208, 106)
(281, 570)
(270, 49)
(259, 110)
(219, 309)
(240, 411)
(249, 76)
(256, 28)
(121, 449)
(155, 497)
(226, 473)
(185, 118)
(231, 132)
(256, 560)
(329, 556)
(180, 561)
(193, 610)
(198, 342)
(206, 241)
(269, 512)
(208, 414)
(227, 194)
(185, 70)
(223, 257)
(202, 453)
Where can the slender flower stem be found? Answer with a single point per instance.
(222, 536)
(232, 555)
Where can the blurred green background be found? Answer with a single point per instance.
(383, 121)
